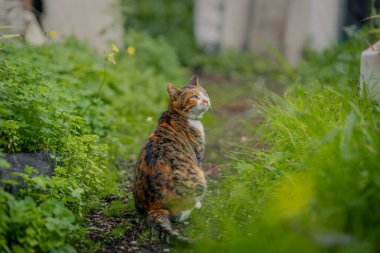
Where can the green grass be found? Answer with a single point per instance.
(115, 209)
(120, 230)
(312, 186)
(315, 187)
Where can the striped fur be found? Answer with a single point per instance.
(169, 181)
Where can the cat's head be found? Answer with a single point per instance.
(190, 101)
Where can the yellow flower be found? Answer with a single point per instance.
(149, 119)
(53, 34)
(111, 58)
(131, 50)
(115, 49)
(291, 196)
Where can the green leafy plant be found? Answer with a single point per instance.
(31, 227)
(92, 121)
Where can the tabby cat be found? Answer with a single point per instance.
(169, 181)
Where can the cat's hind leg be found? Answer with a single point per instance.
(160, 222)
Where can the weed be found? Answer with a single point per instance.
(121, 229)
(115, 209)
(314, 187)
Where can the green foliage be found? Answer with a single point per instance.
(315, 186)
(115, 209)
(31, 227)
(235, 64)
(140, 95)
(91, 116)
(172, 20)
(338, 67)
(121, 229)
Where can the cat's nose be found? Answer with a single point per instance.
(205, 101)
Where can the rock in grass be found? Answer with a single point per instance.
(40, 160)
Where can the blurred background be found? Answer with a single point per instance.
(209, 25)
(293, 144)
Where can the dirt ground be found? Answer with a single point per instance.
(228, 127)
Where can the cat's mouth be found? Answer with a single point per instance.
(198, 111)
(204, 108)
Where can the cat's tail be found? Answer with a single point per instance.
(162, 227)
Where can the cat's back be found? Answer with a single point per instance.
(168, 158)
(170, 139)
(169, 182)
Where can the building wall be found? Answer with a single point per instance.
(235, 24)
(262, 25)
(95, 21)
(208, 16)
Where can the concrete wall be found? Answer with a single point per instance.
(325, 19)
(268, 24)
(208, 23)
(235, 24)
(219, 24)
(262, 24)
(314, 24)
(297, 30)
(95, 21)
(370, 71)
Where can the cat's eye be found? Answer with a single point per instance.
(194, 97)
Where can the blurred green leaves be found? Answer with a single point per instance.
(315, 186)
(165, 20)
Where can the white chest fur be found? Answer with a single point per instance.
(197, 124)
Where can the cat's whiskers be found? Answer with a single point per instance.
(169, 182)
(211, 109)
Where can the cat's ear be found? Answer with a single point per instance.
(194, 81)
(172, 90)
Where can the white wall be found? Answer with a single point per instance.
(268, 24)
(261, 24)
(208, 16)
(324, 21)
(96, 21)
(235, 24)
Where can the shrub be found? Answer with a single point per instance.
(92, 118)
(31, 227)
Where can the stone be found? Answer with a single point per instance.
(40, 160)
(370, 71)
